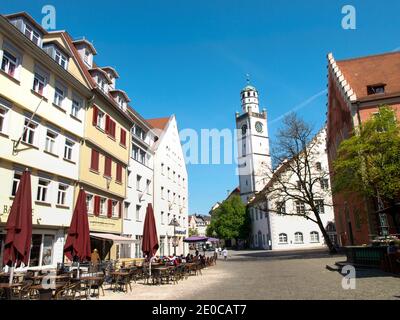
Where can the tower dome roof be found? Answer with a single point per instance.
(249, 88)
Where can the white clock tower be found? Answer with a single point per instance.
(254, 161)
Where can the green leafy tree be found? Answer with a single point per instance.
(369, 161)
(193, 232)
(230, 220)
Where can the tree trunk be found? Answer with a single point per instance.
(331, 247)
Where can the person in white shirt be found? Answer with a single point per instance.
(225, 253)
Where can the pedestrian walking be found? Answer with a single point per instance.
(225, 253)
(216, 253)
(220, 250)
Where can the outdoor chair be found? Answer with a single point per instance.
(96, 286)
(69, 292)
(123, 282)
(22, 292)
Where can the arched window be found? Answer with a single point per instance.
(283, 238)
(314, 236)
(298, 237)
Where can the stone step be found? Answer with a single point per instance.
(333, 268)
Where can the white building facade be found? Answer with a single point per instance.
(170, 188)
(41, 126)
(271, 229)
(140, 185)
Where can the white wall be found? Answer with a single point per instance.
(169, 153)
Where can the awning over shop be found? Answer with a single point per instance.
(112, 237)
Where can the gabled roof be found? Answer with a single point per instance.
(88, 43)
(158, 123)
(372, 70)
(27, 17)
(100, 70)
(113, 71)
(114, 91)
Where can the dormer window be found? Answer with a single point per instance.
(61, 59)
(32, 34)
(86, 56)
(102, 83)
(376, 88)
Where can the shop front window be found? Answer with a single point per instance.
(41, 250)
(2, 239)
(47, 257)
(35, 250)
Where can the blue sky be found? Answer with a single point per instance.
(190, 58)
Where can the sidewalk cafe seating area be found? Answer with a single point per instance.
(89, 281)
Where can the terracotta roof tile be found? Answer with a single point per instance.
(372, 70)
(158, 123)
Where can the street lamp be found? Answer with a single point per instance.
(174, 222)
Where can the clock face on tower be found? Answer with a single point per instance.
(259, 127)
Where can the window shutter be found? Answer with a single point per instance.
(119, 172)
(123, 137)
(107, 166)
(107, 124)
(120, 209)
(95, 115)
(112, 127)
(96, 206)
(109, 208)
(94, 164)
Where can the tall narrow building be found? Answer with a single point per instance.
(254, 161)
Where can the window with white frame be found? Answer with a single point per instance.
(162, 193)
(162, 168)
(29, 132)
(61, 59)
(3, 117)
(126, 210)
(32, 34)
(9, 63)
(86, 56)
(62, 194)
(77, 106)
(15, 183)
(51, 137)
(100, 119)
(320, 206)
(89, 203)
(59, 95)
(42, 190)
(162, 217)
(114, 208)
(138, 179)
(169, 195)
(102, 210)
(142, 157)
(281, 207)
(39, 83)
(324, 184)
(138, 212)
(314, 236)
(68, 149)
(129, 178)
(298, 237)
(300, 207)
(148, 186)
(168, 173)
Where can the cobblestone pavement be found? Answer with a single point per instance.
(271, 275)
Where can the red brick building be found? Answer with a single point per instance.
(356, 88)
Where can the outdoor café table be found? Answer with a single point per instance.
(39, 279)
(46, 292)
(7, 288)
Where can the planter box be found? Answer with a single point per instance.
(368, 256)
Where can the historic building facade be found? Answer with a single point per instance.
(170, 187)
(271, 229)
(356, 89)
(42, 100)
(63, 118)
